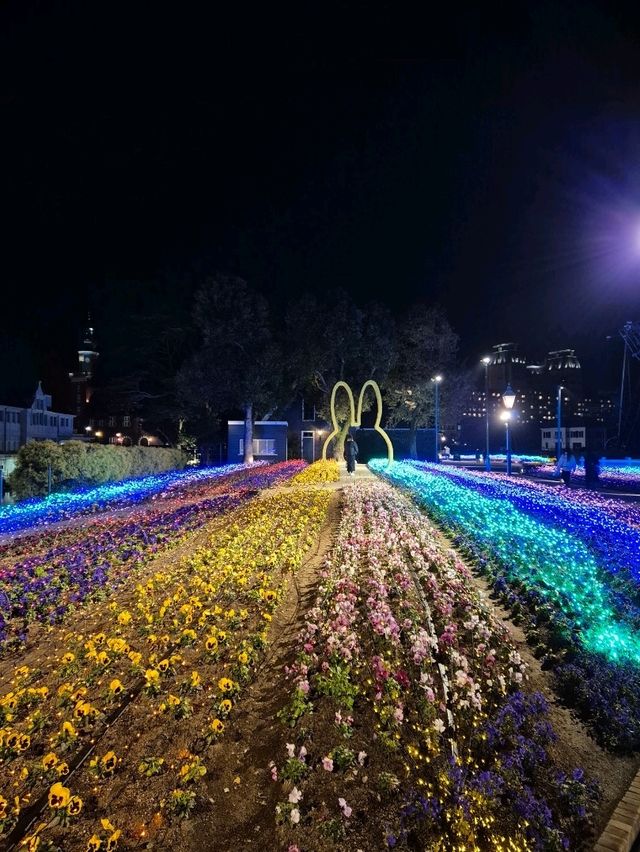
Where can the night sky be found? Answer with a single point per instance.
(487, 161)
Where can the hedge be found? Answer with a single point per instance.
(75, 465)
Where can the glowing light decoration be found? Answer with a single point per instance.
(59, 507)
(357, 420)
(544, 557)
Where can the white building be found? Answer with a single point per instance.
(19, 425)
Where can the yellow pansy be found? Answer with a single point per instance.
(116, 687)
(49, 760)
(75, 805)
(59, 796)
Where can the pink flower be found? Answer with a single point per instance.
(274, 771)
(327, 764)
(303, 686)
(344, 807)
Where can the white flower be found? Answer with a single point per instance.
(294, 816)
(439, 725)
(294, 796)
(291, 749)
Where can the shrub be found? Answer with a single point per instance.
(77, 464)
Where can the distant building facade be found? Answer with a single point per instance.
(82, 379)
(576, 438)
(536, 387)
(36, 422)
(269, 441)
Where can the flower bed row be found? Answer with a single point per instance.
(598, 522)
(409, 726)
(171, 658)
(616, 478)
(43, 588)
(584, 629)
(59, 507)
(317, 473)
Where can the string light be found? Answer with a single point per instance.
(545, 557)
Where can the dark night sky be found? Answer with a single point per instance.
(488, 161)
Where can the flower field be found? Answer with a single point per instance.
(42, 511)
(119, 706)
(613, 477)
(567, 569)
(84, 561)
(143, 643)
(410, 724)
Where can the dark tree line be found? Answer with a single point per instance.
(216, 347)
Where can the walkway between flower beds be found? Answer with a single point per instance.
(241, 794)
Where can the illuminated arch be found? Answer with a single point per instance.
(357, 420)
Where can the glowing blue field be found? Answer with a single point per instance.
(538, 545)
(60, 507)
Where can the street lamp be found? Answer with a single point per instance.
(487, 458)
(508, 398)
(436, 381)
(505, 416)
(559, 423)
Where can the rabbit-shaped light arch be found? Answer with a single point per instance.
(356, 417)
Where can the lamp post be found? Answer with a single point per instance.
(505, 416)
(487, 458)
(559, 422)
(508, 398)
(436, 381)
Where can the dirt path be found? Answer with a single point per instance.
(241, 794)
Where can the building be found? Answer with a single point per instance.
(307, 431)
(269, 441)
(536, 386)
(82, 379)
(100, 416)
(35, 422)
(576, 438)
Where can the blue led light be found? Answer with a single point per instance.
(58, 507)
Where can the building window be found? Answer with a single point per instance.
(112, 420)
(308, 410)
(126, 420)
(261, 447)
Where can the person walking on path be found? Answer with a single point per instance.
(566, 466)
(350, 455)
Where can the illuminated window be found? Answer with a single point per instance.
(261, 447)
